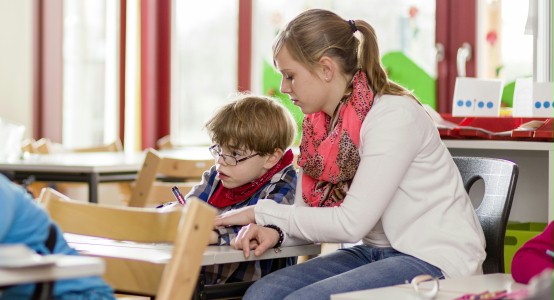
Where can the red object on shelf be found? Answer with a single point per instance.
(497, 128)
(545, 131)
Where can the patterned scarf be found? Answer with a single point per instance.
(329, 157)
(223, 197)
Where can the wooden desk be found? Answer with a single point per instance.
(449, 288)
(138, 268)
(64, 267)
(88, 167)
(533, 196)
(91, 168)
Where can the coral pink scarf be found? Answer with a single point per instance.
(223, 197)
(329, 157)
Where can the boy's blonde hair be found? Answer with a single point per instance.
(253, 122)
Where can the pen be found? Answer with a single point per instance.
(178, 195)
(165, 204)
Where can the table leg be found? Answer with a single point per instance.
(93, 181)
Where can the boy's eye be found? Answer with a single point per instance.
(235, 153)
(287, 76)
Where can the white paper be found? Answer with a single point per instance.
(477, 97)
(542, 99)
(523, 93)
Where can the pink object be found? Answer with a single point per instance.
(532, 258)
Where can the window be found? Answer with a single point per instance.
(405, 33)
(505, 51)
(90, 72)
(204, 65)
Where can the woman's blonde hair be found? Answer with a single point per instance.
(316, 33)
(253, 122)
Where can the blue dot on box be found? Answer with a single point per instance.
(460, 103)
(468, 103)
(490, 104)
(546, 104)
(481, 104)
(537, 104)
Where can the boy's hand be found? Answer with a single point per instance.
(255, 237)
(241, 216)
(214, 238)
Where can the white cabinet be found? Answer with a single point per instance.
(533, 197)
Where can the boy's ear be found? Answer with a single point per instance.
(273, 158)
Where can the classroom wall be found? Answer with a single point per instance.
(16, 62)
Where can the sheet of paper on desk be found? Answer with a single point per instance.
(21, 256)
(523, 94)
(437, 118)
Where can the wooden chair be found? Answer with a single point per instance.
(114, 146)
(187, 228)
(46, 146)
(164, 143)
(159, 173)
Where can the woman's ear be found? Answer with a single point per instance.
(273, 158)
(328, 68)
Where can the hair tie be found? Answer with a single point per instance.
(353, 26)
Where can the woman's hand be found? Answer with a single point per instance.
(255, 237)
(241, 216)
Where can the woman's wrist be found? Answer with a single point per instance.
(277, 246)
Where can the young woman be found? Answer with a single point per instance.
(373, 168)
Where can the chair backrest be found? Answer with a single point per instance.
(164, 143)
(79, 217)
(181, 274)
(189, 229)
(46, 146)
(114, 146)
(159, 173)
(500, 178)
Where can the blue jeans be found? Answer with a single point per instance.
(350, 269)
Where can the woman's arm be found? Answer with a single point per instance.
(390, 141)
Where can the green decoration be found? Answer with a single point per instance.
(399, 67)
(271, 85)
(508, 94)
(402, 70)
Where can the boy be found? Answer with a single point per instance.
(251, 137)
(22, 221)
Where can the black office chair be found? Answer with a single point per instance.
(500, 177)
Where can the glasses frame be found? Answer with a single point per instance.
(215, 151)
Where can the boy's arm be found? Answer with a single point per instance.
(281, 189)
(223, 236)
(203, 189)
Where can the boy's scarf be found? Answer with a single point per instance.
(329, 157)
(223, 197)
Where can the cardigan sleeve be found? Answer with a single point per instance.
(384, 162)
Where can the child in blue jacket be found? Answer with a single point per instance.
(23, 221)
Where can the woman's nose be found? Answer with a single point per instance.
(285, 86)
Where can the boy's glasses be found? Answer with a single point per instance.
(230, 160)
